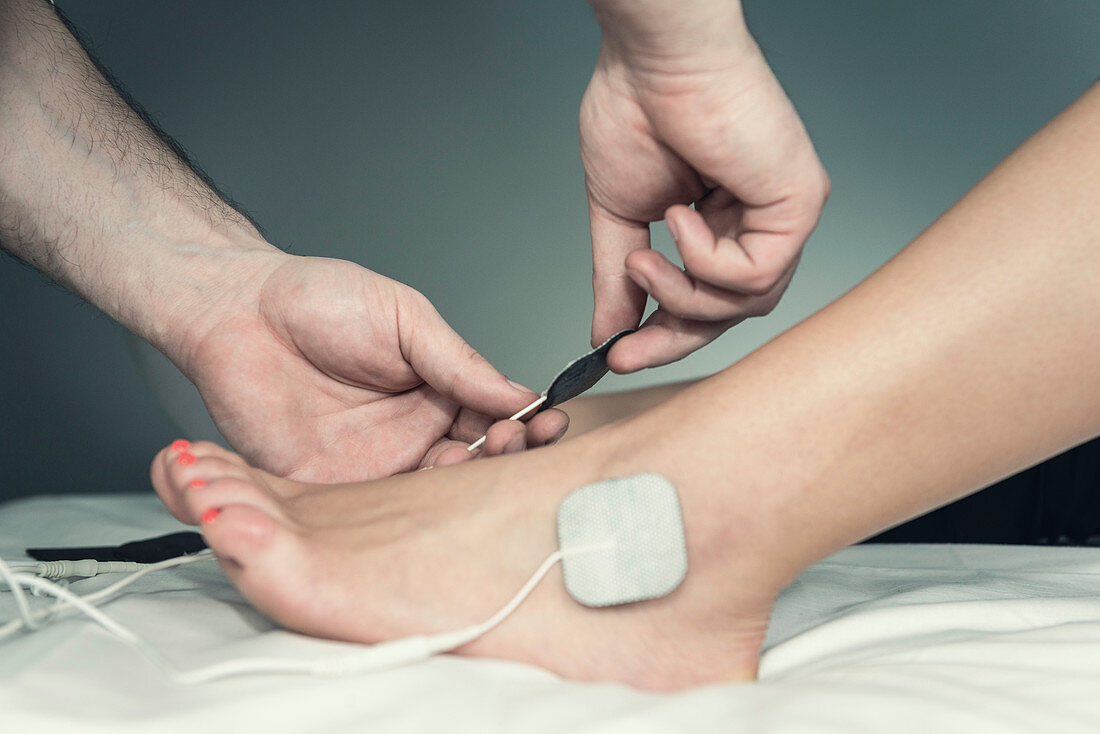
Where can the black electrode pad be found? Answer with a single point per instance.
(150, 550)
(580, 374)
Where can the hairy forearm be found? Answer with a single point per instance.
(972, 354)
(94, 197)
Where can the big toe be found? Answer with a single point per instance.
(239, 533)
(266, 561)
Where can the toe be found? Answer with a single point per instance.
(267, 562)
(240, 533)
(166, 490)
(183, 477)
(208, 448)
(205, 495)
(182, 462)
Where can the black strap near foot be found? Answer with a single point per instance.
(150, 550)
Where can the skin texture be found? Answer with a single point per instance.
(313, 368)
(683, 110)
(589, 412)
(322, 370)
(972, 354)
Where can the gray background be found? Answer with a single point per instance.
(435, 142)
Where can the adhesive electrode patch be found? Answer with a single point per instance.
(639, 520)
(620, 541)
(580, 374)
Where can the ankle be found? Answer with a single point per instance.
(731, 540)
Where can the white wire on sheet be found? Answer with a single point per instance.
(12, 576)
(373, 657)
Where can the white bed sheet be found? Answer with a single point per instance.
(877, 638)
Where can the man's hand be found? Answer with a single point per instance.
(668, 121)
(325, 371)
(315, 369)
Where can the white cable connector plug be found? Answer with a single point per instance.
(16, 574)
(85, 568)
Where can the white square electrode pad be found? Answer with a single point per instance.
(633, 531)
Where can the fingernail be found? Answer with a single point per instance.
(517, 444)
(180, 444)
(518, 386)
(560, 435)
(197, 483)
(672, 230)
(639, 281)
(186, 459)
(210, 515)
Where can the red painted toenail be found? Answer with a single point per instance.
(186, 459)
(180, 445)
(210, 515)
(197, 483)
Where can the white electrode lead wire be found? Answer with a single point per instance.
(31, 621)
(11, 579)
(376, 657)
(477, 444)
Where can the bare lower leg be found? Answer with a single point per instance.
(589, 412)
(971, 355)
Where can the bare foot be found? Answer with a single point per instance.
(440, 550)
(186, 462)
